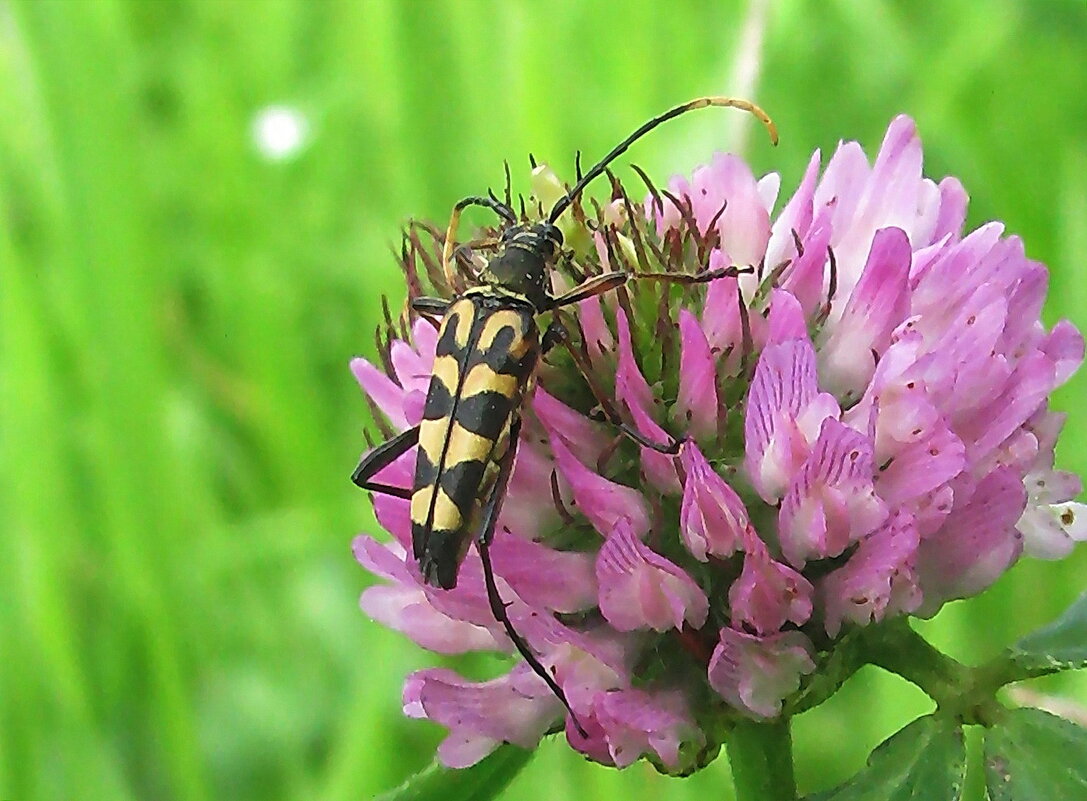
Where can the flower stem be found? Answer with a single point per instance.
(898, 648)
(964, 692)
(761, 755)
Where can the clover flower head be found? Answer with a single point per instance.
(861, 407)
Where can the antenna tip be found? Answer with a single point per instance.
(743, 105)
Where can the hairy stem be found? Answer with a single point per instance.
(761, 755)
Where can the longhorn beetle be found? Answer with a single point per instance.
(489, 346)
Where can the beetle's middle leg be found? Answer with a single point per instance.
(556, 333)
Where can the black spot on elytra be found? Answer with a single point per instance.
(485, 413)
(439, 401)
(426, 473)
(447, 341)
(461, 482)
(497, 356)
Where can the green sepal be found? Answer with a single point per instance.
(926, 761)
(482, 781)
(1062, 645)
(1031, 754)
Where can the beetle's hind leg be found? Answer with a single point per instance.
(381, 457)
(491, 509)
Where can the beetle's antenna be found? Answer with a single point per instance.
(701, 102)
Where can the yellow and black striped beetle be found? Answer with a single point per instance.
(489, 346)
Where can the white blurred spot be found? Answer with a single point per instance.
(279, 132)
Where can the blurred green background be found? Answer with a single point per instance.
(178, 612)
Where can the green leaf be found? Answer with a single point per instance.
(1032, 754)
(926, 761)
(486, 779)
(1062, 645)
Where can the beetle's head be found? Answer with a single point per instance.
(524, 261)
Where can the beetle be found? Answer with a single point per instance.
(488, 349)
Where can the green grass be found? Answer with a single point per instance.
(178, 611)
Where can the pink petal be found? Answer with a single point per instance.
(712, 517)
(786, 321)
(598, 336)
(952, 215)
(784, 412)
(604, 503)
(795, 217)
(562, 581)
(394, 515)
(1064, 345)
(412, 370)
(581, 435)
(841, 187)
(406, 607)
(755, 674)
(593, 744)
(768, 187)
(976, 544)
(385, 560)
(878, 303)
(721, 320)
(745, 224)
(635, 722)
(808, 276)
(641, 589)
(1025, 295)
(917, 467)
(467, 602)
(517, 708)
(697, 404)
(833, 502)
(891, 198)
(407, 610)
(382, 390)
(1025, 392)
(926, 212)
(527, 512)
(768, 594)
(878, 581)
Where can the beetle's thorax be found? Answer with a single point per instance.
(523, 264)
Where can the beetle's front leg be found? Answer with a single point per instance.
(431, 309)
(597, 285)
(687, 279)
